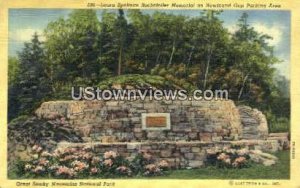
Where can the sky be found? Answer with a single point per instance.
(276, 23)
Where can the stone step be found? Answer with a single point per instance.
(250, 136)
(285, 134)
(250, 131)
(277, 138)
(249, 124)
(249, 121)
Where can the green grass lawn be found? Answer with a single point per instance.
(281, 170)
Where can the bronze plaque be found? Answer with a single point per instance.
(158, 121)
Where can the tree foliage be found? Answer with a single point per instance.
(31, 84)
(87, 48)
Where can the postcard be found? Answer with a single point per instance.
(149, 93)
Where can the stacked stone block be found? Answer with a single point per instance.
(178, 154)
(110, 121)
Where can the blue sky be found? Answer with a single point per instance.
(24, 22)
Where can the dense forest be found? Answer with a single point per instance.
(167, 49)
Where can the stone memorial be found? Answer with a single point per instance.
(180, 132)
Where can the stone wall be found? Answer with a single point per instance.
(178, 154)
(197, 128)
(120, 121)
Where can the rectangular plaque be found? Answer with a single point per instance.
(159, 121)
(156, 121)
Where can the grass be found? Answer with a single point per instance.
(281, 170)
(279, 125)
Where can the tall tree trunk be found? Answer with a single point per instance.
(242, 88)
(172, 54)
(157, 58)
(187, 65)
(50, 74)
(52, 80)
(146, 65)
(207, 66)
(190, 55)
(83, 70)
(120, 61)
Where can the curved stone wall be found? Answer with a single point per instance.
(121, 121)
(254, 123)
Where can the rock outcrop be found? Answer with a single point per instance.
(254, 123)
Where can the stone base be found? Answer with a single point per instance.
(178, 154)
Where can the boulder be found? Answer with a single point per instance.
(260, 157)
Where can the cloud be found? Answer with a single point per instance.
(284, 67)
(24, 35)
(232, 28)
(275, 31)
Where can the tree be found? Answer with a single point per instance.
(141, 49)
(13, 70)
(253, 57)
(161, 37)
(31, 85)
(123, 33)
(72, 47)
(186, 51)
(108, 49)
(214, 39)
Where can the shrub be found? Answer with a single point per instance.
(72, 163)
(229, 158)
(145, 165)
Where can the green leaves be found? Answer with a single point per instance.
(159, 49)
(28, 81)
